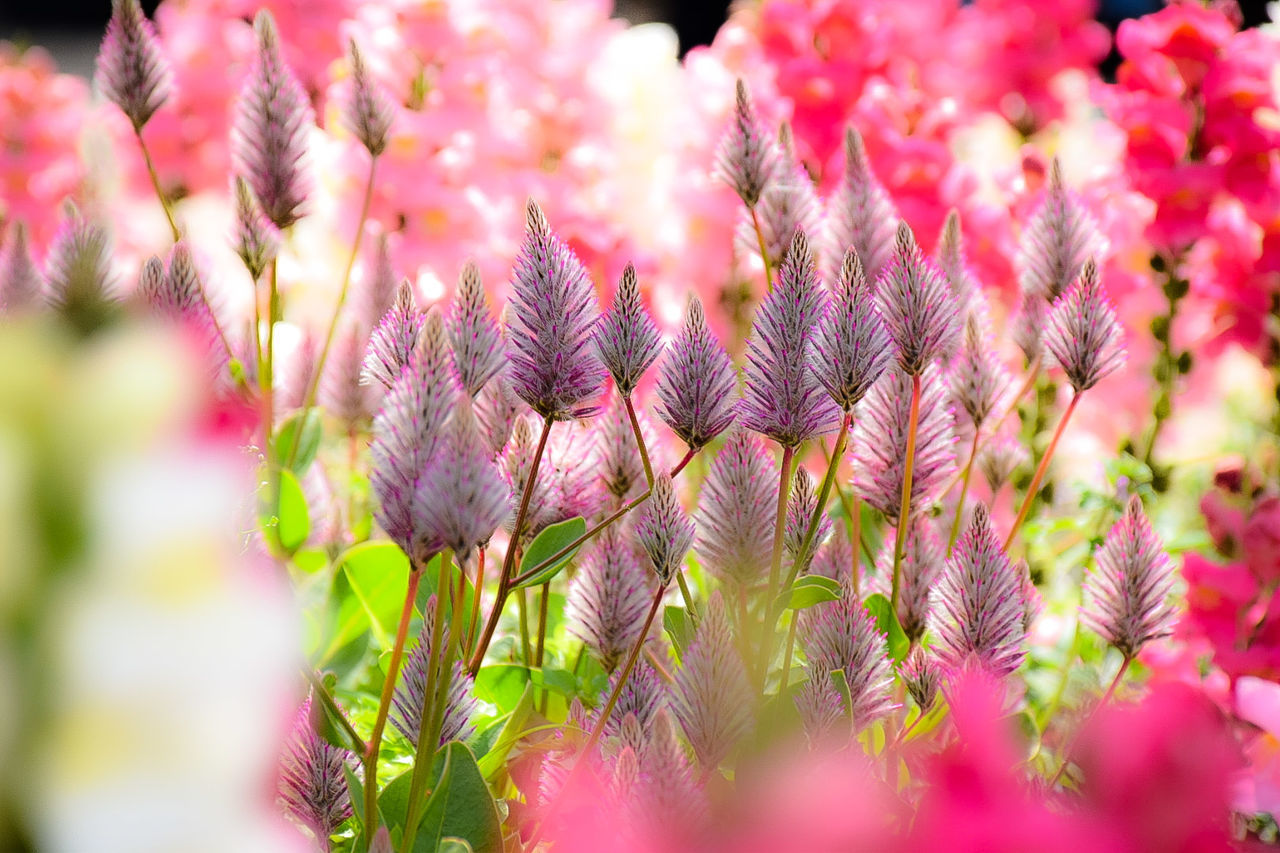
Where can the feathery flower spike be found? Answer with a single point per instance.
(745, 159)
(1028, 325)
(643, 697)
(959, 277)
(368, 112)
(696, 382)
(820, 705)
(880, 440)
(257, 240)
(553, 368)
(788, 204)
(81, 285)
(411, 691)
(852, 342)
(999, 458)
(608, 598)
(132, 71)
(378, 290)
(312, 782)
(1083, 335)
(712, 697)
(478, 350)
(835, 558)
(341, 390)
(918, 307)
(842, 635)
(800, 509)
(920, 675)
(392, 342)
(736, 511)
(621, 469)
(664, 530)
(626, 338)
(668, 800)
(1057, 240)
(979, 603)
(782, 397)
(922, 559)
(977, 377)
(861, 216)
(1127, 591)
(269, 137)
(498, 409)
(20, 281)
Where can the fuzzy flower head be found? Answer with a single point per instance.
(782, 398)
(788, 204)
(712, 697)
(999, 458)
(920, 675)
(977, 377)
(664, 530)
(81, 285)
(608, 597)
(1083, 335)
(1128, 590)
(955, 270)
(273, 118)
(312, 782)
(1057, 241)
(257, 240)
(922, 558)
(626, 338)
(800, 509)
(862, 217)
(1028, 325)
(746, 157)
(696, 381)
(553, 312)
(736, 510)
(394, 339)
(368, 112)
(411, 691)
(842, 635)
(20, 280)
(132, 71)
(918, 307)
(880, 442)
(853, 345)
(478, 351)
(835, 558)
(978, 603)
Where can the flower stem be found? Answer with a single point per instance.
(155, 182)
(474, 623)
(964, 490)
(1038, 477)
(1033, 373)
(904, 509)
(543, 600)
(326, 699)
(824, 494)
(775, 562)
(764, 253)
(1066, 750)
(635, 428)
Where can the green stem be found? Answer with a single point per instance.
(331, 704)
(824, 494)
(644, 451)
(964, 490)
(686, 594)
(764, 253)
(155, 182)
(1043, 467)
(1066, 750)
(786, 658)
(1033, 373)
(522, 610)
(474, 623)
(904, 509)
(775, 561)
(543, 600)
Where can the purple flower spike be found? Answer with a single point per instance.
(368, 112)
(394, 339)
(20, 281)
(800, 509)
(626, 337)
(783, 398)
(411, 691)
(1055, 244)
(81, 285)
(711, 697)
(842, 635)
(696, 382)
(664, 530)
(820, 705)
(341, 392)
(853, 345)
(977, 377)
(378, 290)
(406, 435)
(745, 159)
(498, 409)
(999, 458)
(1083, 336)
(861, 215)
(918, 307)
(478, 350)
(132, 71)
(788, 204)
(835, 558)
(1028, 325)
(312, 785)
(269, 138)
(608, 598)
(965, 287)
(178, 296)
(642, 698)
(880, 442)
(257, 240)
(979, 603)
(621, 469)
(736, 511)
(553, 368)
(920, 675)
(922, 560)
(1128, 589)
(668, 800)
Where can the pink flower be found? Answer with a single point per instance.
(1258, 702)
(1225, 605)
(1169, 52)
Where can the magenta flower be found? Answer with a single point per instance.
(918, 307)
(835, 558)
(853, 347)
(1083, 335)
(842, 635)
(411, 690)
(312, 782)
(393, 341)
(711, 696)
(861, 215)
(746, 157)
(132, 71)
(696, 382)
(977, 377)
(177, 295)
(20, 280)
(736, 510)
(608, 598)
(478, 350)
(257, 240)
(626, 338)
(643, 697)
(368, 112)
(1056, 242)
(664, 530)
(498, 409)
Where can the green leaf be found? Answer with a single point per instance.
(310, 560)
(842, 687)
(546, 544)
(370, 588)
(502, 685)
(293, 523)
(460, 805)
(357, 792)
(308, 441)
(454, 845)
(887, 624)
(679, 627)
(495, 759)
(808, 591)
(560, 681)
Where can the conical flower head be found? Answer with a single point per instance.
(860, 213)
(736, 511)
(621, 469)
(478, 350)
(971, 301)
(1029, 324)
(999, 458)
(257, 240)
(608, 598)
(1057, 241)
(81, 284)
(745, 159)
(368, 112)
(1128, 590)
(820, 705)
(923, 556)
(712, 697)
(978, 603)
(178, 295)
(667, 799)
(378, 290)
(462, 498)
(918, 307)
(394, 339)
(643, 697)
(835, 558)
(788, 204)
(880, 442)
(920, 675)
(853, 346)
(411, 691)
(312, 782)
(782, 397)
(498, 409)
(132, 71)
(802, 505)
(664, 530)
(341, 390)
(696, 382)
(842, 635)
(20, 280)
(553, 368)
(1083, 335)
(626, 338)
(977, 377)
(269, 137)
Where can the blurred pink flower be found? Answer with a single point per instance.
(1227, 605)
(1258, 702)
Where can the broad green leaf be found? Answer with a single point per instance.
(808, 591)
(308, 441)
(310, 560)
(560, 681)
(370, 589)
(459, 805)
(679, 627)
(454, 845)
(545, 545)
(512, 729)
(930, 721)
(887, 624)
(842, 687)
(502, 685)
(293, 523)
